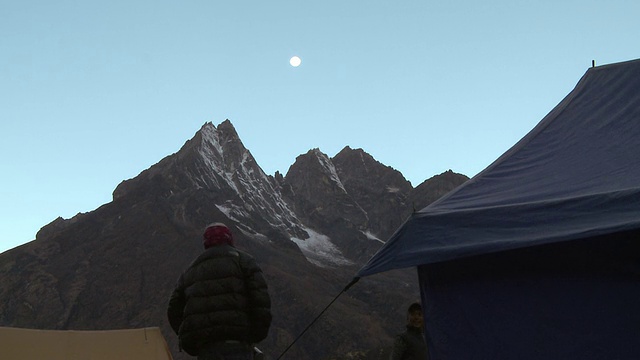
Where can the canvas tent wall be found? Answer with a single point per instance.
(129, 344)
(538, 256)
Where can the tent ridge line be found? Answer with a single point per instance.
(545, 202)
(546, 121)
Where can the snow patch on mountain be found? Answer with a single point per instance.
(371, 236)
(249, 232)
(233, 211)
(319, 250)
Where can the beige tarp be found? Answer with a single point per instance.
(129, 344)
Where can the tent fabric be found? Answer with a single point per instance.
(569, 300)
(575, 175)
(128, 344)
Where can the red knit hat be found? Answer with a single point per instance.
(217, 234)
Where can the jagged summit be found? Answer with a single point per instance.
(216, 164)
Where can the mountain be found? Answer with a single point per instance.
(310, 230)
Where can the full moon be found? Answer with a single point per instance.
(295, 61)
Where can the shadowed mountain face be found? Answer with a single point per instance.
(310, 231)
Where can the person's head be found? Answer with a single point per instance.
(217, 234)
(414, 315)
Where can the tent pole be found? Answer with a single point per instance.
(353, 281)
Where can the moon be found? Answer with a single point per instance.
(295, 61)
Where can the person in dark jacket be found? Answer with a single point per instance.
(220, 306)
(411, 345)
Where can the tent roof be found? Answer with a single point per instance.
(138, 344)
(575, 175)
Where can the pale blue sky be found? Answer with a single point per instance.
(94, 92)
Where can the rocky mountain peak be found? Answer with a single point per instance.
(224, 151)
(114, 267)
(369, 183)
(215, 165)
(315, 164)
(435, 187)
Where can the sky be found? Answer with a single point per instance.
(94, 92)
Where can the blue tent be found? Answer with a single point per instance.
(538, 256)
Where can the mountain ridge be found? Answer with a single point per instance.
(310, 230)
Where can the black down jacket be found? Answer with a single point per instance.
(221, 296)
